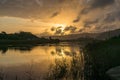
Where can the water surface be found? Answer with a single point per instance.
(42, 62)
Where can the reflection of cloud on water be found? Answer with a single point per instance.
(64, 51)
(65, 61)
(67, 69)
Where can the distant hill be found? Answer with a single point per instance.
(99, 36)
(109, 34)
(24, 38)
(73, 36)
(18, 36)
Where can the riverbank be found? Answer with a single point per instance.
(104, 56)
(114, 73)
(37, 41)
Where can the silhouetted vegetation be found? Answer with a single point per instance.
(17, 36)
(2, 75)
(104, 55)
(24, 38)
(67, 69)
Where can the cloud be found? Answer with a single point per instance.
(84, 11)
(30, 8)
(94, 4)
(53, 29)
(87, 29)
(76, 20)
(91, 5)
(39, 2)
(96, 13)
(112, 16)
(3, 1)
(57, 30)
(88, 23)
(71, 29)
(61, 31)
(109, 18)
(99, 15)
(55, 14)
(81, 30)
(101, 3)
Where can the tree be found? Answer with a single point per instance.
(3, 32)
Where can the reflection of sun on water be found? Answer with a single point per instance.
(62, 53)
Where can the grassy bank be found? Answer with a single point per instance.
(104, 55)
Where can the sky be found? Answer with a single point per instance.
(59, 17)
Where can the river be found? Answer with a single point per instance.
(64, 61)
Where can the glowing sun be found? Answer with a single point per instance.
(61, 26)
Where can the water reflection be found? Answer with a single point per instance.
(67, 68)
(5, 48)
(65, 51)
(50, 62)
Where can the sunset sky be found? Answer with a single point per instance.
(59, 17)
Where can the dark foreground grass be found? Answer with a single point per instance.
(104, 55)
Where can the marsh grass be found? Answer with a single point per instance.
(2, 74)
(64, 69)
(104, 56)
